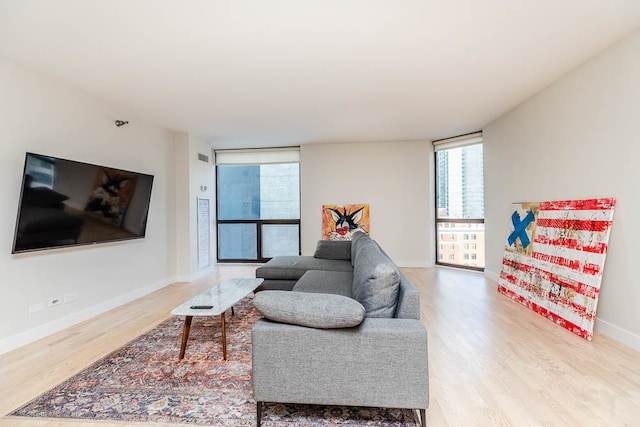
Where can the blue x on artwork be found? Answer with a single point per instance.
(520, 228)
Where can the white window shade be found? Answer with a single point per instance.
(458, 141)
(258, 156)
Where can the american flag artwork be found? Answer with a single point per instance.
(554, 257)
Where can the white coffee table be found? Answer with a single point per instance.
(221, 297)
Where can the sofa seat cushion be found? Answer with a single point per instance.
(293, 267)
(325, 282)
(277, 285)
(376, 280)
(314, 310)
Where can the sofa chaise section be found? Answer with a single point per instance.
(283, 272)
(350, 336)
(380, 363)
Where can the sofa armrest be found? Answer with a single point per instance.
(380, 363)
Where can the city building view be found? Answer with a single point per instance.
(461, 244)
(258, 211)
(460, 214)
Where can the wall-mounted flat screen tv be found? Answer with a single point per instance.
(66, 203)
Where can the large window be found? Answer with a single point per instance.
(258, 204)
(460, 202)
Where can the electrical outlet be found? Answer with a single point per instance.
(55, 301)
(70, 297)
(34, 308)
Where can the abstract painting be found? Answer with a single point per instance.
(554, 258)
(339, 222)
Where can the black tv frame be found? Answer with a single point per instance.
(106, 205)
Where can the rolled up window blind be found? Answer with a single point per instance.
(458, 141)
(258, 156)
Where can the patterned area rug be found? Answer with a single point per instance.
(143, 382)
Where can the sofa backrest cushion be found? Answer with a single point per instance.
(359, 237)
(314, 310)
(408, 296)
(333, 249)
(376, 279)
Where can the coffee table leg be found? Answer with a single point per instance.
(224, 337)
(185, 335)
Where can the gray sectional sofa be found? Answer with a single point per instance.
(339, 328)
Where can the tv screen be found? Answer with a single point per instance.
(67, 203)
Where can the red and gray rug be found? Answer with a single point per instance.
(143, 382)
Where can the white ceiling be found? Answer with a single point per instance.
(286, 72)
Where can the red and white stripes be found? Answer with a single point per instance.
(560, 276)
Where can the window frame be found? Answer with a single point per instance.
(446, 144)
(259, 223)
(263, 157)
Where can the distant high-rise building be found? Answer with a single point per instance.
(472, 182)
(460, 182)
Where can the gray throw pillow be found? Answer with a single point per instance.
(323, 311)
(333, 249)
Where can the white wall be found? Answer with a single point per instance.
(41, 116)
(192, 175)
(392, 177)
(576, 139)
(579, 138)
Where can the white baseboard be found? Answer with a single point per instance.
(196, 275)
(617, 333)
(401, 264)
(491, 275)
(34, 334)
(601, 326)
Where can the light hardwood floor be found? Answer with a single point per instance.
(492, 362)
